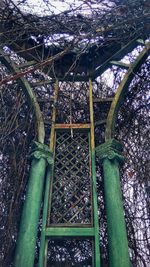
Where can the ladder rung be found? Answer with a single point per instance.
(54, 231)
(102, 100)
(73, 126)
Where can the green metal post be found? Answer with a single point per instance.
(110, 154)
(95, 205)
(25, 250)
(43, 252)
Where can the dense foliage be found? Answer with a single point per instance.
(30, 34)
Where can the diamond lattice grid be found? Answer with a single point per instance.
(71, 188)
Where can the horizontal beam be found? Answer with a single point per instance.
(102, 100)
(62, 231)
(120, 64)
(72, 126)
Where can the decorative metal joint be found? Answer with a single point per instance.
(39, 151)
(111, 150)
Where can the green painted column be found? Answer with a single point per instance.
(110, 154)
(25, 249)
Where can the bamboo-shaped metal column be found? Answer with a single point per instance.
(25, 250)
(110, 154)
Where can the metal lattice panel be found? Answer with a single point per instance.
(71, 186)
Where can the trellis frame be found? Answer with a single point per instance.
(72, 231)
(114, 107)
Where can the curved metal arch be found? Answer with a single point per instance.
(121, 91)
(30, 94)
(116, 57)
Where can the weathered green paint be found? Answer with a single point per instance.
(26, 242)
(94, 187)
(110, 149)
(96, 220)
(117, 236)
(122, 90)
(44, 240)
(42, 255)
(110, 154)
(24, 254)
(41, 151)
(30, 217)
(25, 250)
(66, 231)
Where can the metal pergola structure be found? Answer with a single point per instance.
(51, 162)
